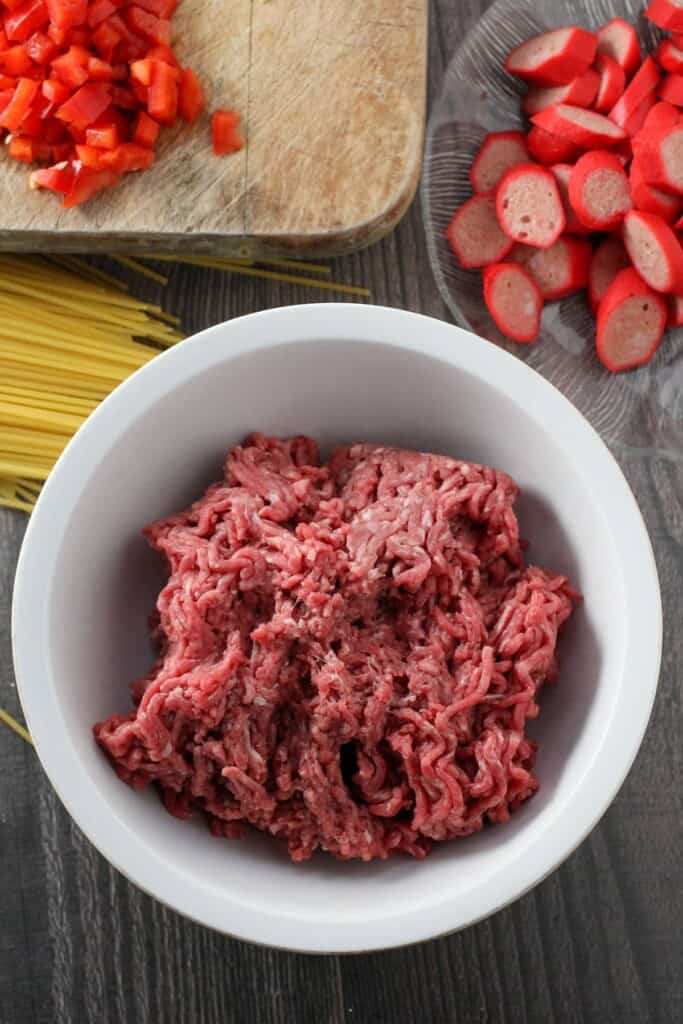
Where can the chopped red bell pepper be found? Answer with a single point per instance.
(72, 67)
(90, 156)
(99, 70)
(53, 130)
(146, 130)
(162, 96)
(86, 104)
(104, 136)
(19, 107)
(60, 151)
(99, 11)
(191, 99)
(41, 49)
(3, 39)
(87, 183)
(163, 53)
(5, 99)
(129, 156)
(11, 4)
(162, 8)
(67, 13)
(26, 19)
(55, 90)
(15, 61)
(59, 178)
(106, 39)
(225, 132)
(28, 150)
(122, 96)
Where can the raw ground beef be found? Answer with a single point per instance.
(349, 652)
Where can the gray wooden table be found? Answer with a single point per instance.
(601, 940)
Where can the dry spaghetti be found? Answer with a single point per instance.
(52, 377)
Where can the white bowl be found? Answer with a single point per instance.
(86, 583)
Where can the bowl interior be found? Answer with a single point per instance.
(105, 582)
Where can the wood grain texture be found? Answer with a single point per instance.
(332, 95)
(599, 941)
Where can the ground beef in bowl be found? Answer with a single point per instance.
(349, 652)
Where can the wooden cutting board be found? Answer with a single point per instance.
(332, 95)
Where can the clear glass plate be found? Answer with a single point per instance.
(638, 412)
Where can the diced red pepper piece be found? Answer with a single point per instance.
(41, 49)
(141, 71)
(86, 104)
(162, 97)
(99, 11)
(90, 156)
(225, 132)
(53, 130)
(61, 151)
(58, 35)
(3, 39)
(140, 92)
(28, 150)
(5, 99)
(26, 19)
(191, 99)
(164, 54)
(106, 38)
(80, 36)
(87, 183)
(55, 90)
(129, 156)
(105, 136)
(20, 105)
(122, 96)
(132, 46)
(162, 8)
(99, 70)
(59, 178)
(15, 61)
(7, 82)
(146, 130)
(143, 24)
(67, 13)
(72, 67)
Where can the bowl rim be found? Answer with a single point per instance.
(309, 324)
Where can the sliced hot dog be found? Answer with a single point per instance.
(669, 57)
(475, 235)
(550, 149)
(584, 128)
(631, 322)
(572, 223)
(619, 40)
(529, 206)
(561, 269)
(654, 251)
(671, 89)
(647, 197)
(599, 190)
(581, 92)
(643, 83)
(666, 14)
(612, 83)
(498, 152)
(608, 259)
(553, 58)
(514, 300)
(663, 157)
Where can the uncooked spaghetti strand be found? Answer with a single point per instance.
(139, 268)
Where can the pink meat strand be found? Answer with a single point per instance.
(349, 652)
